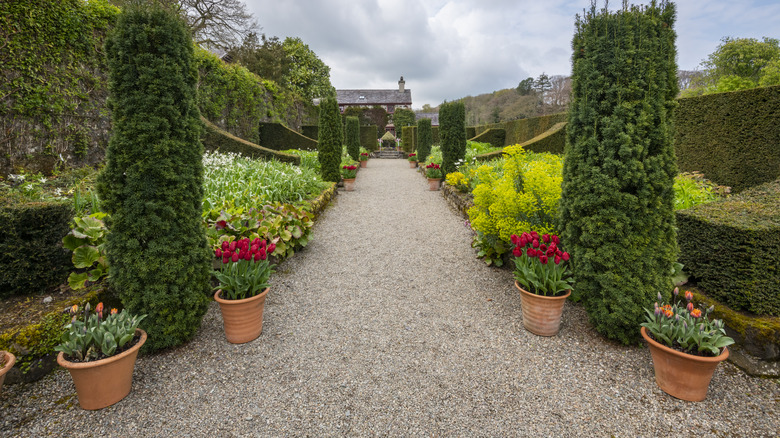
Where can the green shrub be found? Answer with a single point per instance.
(352, 130)
(424, 139)
(329, 139)
(731, 248)
(31, 253)
(407, 139)
(730, 137)
(215, 139)
(279, 137)
(152, 185)
(452, 120)
(494, 136)
(368, 136)
(616, 209)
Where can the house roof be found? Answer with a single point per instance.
(433, 116)
(374, 97)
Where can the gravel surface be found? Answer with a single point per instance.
(387, 325)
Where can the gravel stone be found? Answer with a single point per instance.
(387, 325)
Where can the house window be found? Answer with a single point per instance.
(390, 108)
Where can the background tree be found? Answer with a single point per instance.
(525, 87)
(308, 76)
(152, 183)
(353, 137)
(424, 139)
(616, 209)
(263, 56)
(403, 117)
(452, 128)
(496, 114)
(220, 24)
(330, 140)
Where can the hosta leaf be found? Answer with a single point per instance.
(85, 256)
(72, 242)
(76, 280)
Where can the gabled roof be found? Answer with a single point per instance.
(374, 97)
(433, 116)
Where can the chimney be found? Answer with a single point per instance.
(401, 84)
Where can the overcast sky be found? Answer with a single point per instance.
(457, 48)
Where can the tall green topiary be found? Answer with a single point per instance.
(152, 184)
(330, 141)
(616, 209)
(353, 137)
(424, 139)
(452, 124)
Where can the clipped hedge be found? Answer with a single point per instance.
(494, 136)
(278, 137)
(732, 248)
(733, 138)
(32, 258)
(408, 139)
(436, 136)
(552, 141)
(310, 131)
(368, 136)
(215, 139)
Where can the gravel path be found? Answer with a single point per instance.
(386, 325)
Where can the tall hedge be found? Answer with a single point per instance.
(424, 139)
(329, 139)
(407, 139)
(452, 124)
(152, 184)
(353, 137)
(616, 210)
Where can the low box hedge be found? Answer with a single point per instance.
(731, 248)
(216, 139)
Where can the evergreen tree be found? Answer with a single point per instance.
(424, 139)
(152, 185)
(330, 140)
(353, 137)
(616, 210)
(452, 127)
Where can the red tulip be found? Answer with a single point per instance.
(262, 244)
(253, 249)
(543, 259)
(233, 245)
(247, 256)
(556, 239)
(535, 235)
(263, 254)
(234, 257)
(543, 247)
(546, 238)
(271, 248)
(523, 241)
(257, 256)
(559, 253)
(557, 259)
(517, 252)
(220, 225)
(218, 253)
(225, 245)
(565, 256)
(515, 239)
(225, 258)
(536, 243)
(531, 252)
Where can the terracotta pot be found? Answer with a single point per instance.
(364, 163)
(682, 375)
(541, 314)
(412, 164)
(349, 184)
(433, 183)
(242, 319)
(10, 359)
(103, 382)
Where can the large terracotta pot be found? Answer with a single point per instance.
(364, 163)
(682, 375)
(349, 184)
(10, 359)
(242, 319)
(412, 164)
(433, 183)
(541, 314)
(102, 383)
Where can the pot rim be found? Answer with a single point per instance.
(560, 297)
(653, 343)
(220, 300)
(9, 362)
(65, 363)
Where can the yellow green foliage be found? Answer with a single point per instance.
(519, 197)
(458, 180)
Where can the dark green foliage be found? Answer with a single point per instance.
(452, 121)
(311, 131)
(494, 136)
(403, 117)
(329, 139)
(424, 139)
(152, 185)
(368, 136)
(733, 138)
(352, 131)
(436, 135)
(732, 248)
(407, 139)
(616, 209)
(471, 132)
(216, 139)
(278, 137)
(31, 253)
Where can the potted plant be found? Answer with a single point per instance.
(541, 267)
(7, 361)
(686, 346)
(348, 174)
(412, 160)
(100, 351)
(363, 159)
(433, 173)
(243, 285)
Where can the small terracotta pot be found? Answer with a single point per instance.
(10, 359)
(103, 382)
(682, 375)
(242, 319)
(364, 163)
(412, 164)
(349, 184)
(433, 183)
(541, 314)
